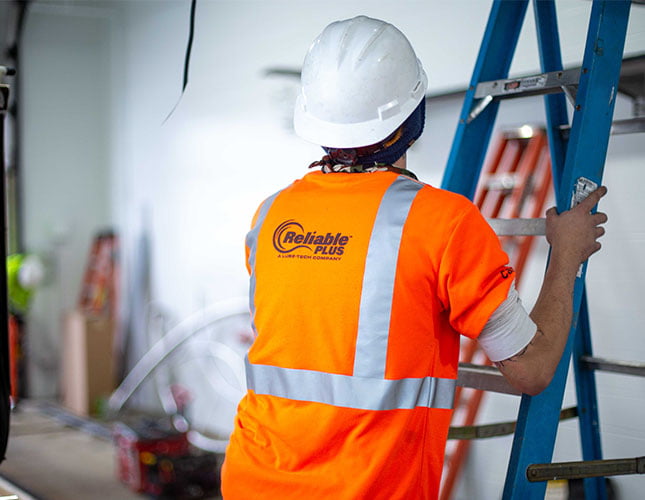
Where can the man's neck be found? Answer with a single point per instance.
(401, 162)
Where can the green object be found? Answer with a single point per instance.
(19, 296)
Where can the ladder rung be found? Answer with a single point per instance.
(481, 431)
(628, 126)
(484, 378)
(523, 132)
(499, 429)
(501, 182)
(618, 127)
(607, 365)
(544, 83)
(581, 470)
(518, 227)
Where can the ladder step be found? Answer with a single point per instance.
(628, 126)
(484, 378)
(619, 127)
(544, 83)
(501, 182)
(498, 429)
(607, 365)
(581, 470)
(518, 227)
(482, 431)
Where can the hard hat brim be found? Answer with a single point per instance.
(353, 135)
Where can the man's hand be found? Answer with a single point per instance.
(574, 234)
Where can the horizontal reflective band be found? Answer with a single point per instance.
(350, 392)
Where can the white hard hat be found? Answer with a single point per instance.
(360, 80)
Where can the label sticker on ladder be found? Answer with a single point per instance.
(584, 187)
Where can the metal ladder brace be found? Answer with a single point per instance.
(578, 164)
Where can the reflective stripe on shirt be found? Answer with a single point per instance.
(378, 278)
(251, 242)
(350, 391)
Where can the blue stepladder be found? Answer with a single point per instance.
(578, 163)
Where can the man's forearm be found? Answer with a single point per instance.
(573, 236)
(532, 369)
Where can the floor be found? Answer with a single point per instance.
(51, 460)
(53, 455)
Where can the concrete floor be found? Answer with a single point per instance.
(53, 461)
(55, 456)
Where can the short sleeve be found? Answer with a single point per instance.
(474, 273)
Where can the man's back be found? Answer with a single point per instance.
(359, 284)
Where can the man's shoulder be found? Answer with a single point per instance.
(446, 199)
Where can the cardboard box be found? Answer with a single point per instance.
(87, 362)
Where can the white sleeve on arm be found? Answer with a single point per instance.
(508, 330)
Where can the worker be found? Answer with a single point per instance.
(363, 280)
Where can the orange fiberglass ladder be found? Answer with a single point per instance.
(99, 287)
(515, 185)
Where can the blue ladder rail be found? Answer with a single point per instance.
(582, 156)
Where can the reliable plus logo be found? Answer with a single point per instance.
(292, 241)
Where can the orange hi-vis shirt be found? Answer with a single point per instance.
(360, 286)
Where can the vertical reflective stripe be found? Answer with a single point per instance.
(378, 279)
(251, 242)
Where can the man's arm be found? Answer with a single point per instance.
(573, 237)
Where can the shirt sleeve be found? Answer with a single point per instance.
(474, 275)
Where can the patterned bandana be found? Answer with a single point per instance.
(329, 166)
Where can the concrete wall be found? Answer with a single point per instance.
(110, 139)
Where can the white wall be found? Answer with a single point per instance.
(66, 158)
(191, 181)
